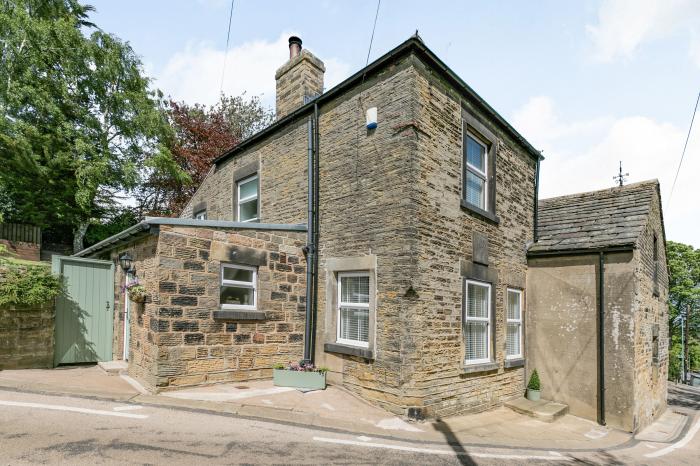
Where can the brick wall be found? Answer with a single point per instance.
(26, 336)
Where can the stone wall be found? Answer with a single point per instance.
(445, 231)
(180, 338)
(26, 336)
(562, 333)
(651, 322)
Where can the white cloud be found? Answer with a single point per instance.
(584, 155)
(624, 25)
(194, 74)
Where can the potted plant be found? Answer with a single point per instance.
(135, 291)
(533, 387)
(299, 375)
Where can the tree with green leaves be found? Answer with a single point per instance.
(79, 124)
(684, 293)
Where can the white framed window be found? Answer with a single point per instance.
(238, 287)
(477, 322)
(247, 208)
(353, 309)
(201, 215)
(514, 324)
(476, 172)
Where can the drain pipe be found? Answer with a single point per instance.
(601, 338)
(537, 199)
(309, 248)
(316, 228)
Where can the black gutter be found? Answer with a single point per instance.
(581, 252)
(601, 338)
(317, 227)
(309, 249)
(413, 44)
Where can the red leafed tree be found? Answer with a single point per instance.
(200, 135)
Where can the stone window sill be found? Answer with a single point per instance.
(234, 314)
(475, 368)
(511, 363)
(349, 350)
(486, 215)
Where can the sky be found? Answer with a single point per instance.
(589, 83)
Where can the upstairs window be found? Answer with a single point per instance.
(353, 309)
(476, 179)
(247, 209)
(200, 215)
(514, 325)
(238, 287)
(477, 322)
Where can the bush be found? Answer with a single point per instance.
(24, 282)
(534, 383)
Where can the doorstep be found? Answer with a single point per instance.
(544, 410)
(113, 367)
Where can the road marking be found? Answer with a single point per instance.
(553, 457)
(127, 408)
(72, 409)
(680, 444)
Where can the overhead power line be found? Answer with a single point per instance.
(228, 36)
(371, 39)
(685, 146)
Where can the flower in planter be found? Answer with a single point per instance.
(300, 366)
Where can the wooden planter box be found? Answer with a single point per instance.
(298, 379)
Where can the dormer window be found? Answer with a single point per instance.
(248, 199)
(200, 215)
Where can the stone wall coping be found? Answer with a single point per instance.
(349, 350)
(236, 314)
(474, 368)
(512, 363)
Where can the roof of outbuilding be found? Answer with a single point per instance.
(609, 218)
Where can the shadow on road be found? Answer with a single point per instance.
(683, 396)
(454, 443)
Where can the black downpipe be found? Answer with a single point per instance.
(309, 244)
(317, 228)
(601, 338)
(537, 201)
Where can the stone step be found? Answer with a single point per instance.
(113, 367)
(543, 410)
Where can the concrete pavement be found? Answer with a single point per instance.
(336, 412)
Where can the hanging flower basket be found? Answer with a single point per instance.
(137, 293)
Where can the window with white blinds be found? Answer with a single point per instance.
(353, 308)
(514, 324)
(477, 323)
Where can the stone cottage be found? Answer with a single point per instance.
(380, 228)
(601, 254)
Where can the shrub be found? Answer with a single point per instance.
(534, 383)
(28, 284)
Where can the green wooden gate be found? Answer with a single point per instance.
(85, 312)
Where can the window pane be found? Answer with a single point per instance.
(476, 154)
(201, 215)
(477, 300)
(513, 305)
(237, 295)
(354, 324)
(249, 210)
(240, 275)
(513, 339)
(475, 190)
(477, 340)
(354, 289)
(248, 188)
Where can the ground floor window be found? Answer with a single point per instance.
(477, 322)
(353, 308)
(238, 287)
(514, 324)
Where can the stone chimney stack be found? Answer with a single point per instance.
(299, 80)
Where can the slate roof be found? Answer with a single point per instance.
(593, 220)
